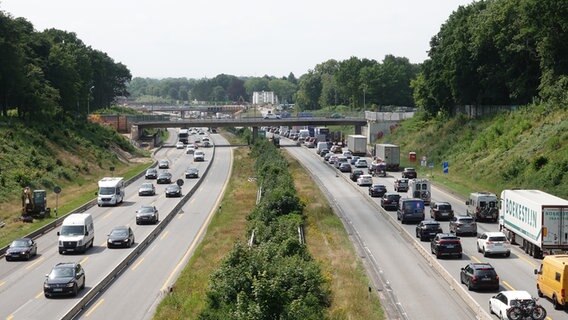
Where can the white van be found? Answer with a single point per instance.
(111, 191)
(77, 233)
(320, 146)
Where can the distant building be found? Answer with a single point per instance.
(264, 97)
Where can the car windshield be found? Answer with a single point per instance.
(466, 220)
(106, 191)
(146, 210)
(72, 230)
(151, 171)
(19, 243)
(486, 272)
(63, 272)
(411, 205)
(393, 197)
(146, 186)
(497, 238)
(432, 225)
(119, 233)
(444, 207)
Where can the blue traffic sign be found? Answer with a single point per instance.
(446, 166)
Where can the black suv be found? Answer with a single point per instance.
(355, 174)
(377, 190)
(428, 229)
(65, 278)
(390, 201)
(446, 244)
(479, 276)
(409, 173)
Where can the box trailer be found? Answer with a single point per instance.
(536, 220)
(389, 154)
(357, 144)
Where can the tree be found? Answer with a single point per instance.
(284, 89)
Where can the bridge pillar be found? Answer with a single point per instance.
(134, 133)
(254, 134)
(358, 129)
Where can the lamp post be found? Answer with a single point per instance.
(89, 100)
(364, 87)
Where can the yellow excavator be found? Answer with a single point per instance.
(34, 204)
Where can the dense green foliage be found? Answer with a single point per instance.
(43, 73)
(526, 148)
(275, 278)
(497, 52)
(42, 155)
(222, 88)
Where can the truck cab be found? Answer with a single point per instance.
(552, 279)
(483, 206)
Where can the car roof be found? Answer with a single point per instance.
(447, 235)
(481, 265)
(365, 176)
(495, 234)
(378, 185)
(392, 194)
(443, 202)
(66, 265)
(516, 294)
(120, 228)
(430, 221)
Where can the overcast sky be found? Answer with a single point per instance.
(203, 38)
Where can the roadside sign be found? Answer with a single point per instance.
(446, 166)
(431, 165)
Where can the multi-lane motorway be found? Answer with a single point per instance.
(21, 294)
(418, 289)
(414, 287)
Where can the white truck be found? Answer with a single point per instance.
(389, 154)
(77, 233)
(111, 191)
(420, 189)
(536, 220)
(357, 144)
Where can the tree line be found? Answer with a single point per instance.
(45, 73)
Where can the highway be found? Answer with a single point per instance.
(21, 292)
(139, 290)
(414, 282)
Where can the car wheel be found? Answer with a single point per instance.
(83, 285)
(478, 248)
(75, 290)
(438, 255)
(469, 286)
(508, 254)
(490, 309)
(137, 223)
(557, 306)
(8, 259)
(485, 254)
(540, 294)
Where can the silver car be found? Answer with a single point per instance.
(463, 224)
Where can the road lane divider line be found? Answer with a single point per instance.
(137, 264)
(91, 310)
(200, 233)
(35, 262)
(39, 295)
(2, 283)
(507, 285)
(106, 215)
(474, 258)
(10, 317)
(164, 235)
(83, 260)
(522, 257)
(104, 243)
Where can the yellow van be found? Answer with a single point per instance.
(552, 279)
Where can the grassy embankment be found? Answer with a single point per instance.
(73, 155)
(527, 148)
(326, 239)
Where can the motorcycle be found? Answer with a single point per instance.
(526, 310)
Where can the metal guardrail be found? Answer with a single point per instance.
(453, 283)
(115, 273)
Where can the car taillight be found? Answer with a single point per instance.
(474, 279)
(497, 277)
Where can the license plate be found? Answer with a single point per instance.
(450, 246)
(444, 213)
(57, 290)
(498, 244)
(486, 279)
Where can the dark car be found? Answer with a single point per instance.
(409, 173)
(164, 177)
(327, 156)
(446, 244)
(441, 211)
(377, 190)
(147, 214)
(323, 152)
(355, 174)
(428, 229)
(354, 159)
(65, 278)
(151, 173)
(121, 236)
(390, 201)
(173, 190)
(345, 167)
(24, 248)
(479, 276)
(192, 173)
(462, 224)
(147, 189)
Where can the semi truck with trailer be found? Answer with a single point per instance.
(389, 154)
(357, 144)
(534, 219)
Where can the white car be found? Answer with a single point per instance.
(365, 180)
(493, 243)
(190, 149)
(198, 155)
(361, 163)
(504, 300)
(179, 145)
(347, 154)
(163, 164)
